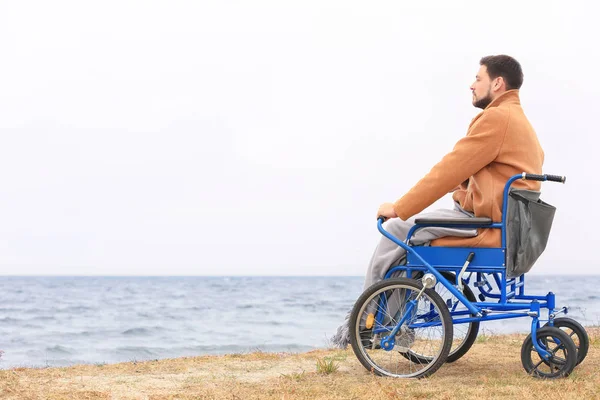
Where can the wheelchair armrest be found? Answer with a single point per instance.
(478, 221)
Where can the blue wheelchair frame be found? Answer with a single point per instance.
(485, 262)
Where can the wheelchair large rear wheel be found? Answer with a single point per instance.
(425, 336)
(562, 349)
(463, 335)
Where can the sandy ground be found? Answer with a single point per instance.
(491, 369)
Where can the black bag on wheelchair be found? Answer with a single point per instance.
(528, 224)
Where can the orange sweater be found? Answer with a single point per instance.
(500, 143)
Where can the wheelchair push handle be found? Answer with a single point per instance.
(545, 177)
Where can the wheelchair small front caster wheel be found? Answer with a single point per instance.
(562, 349)
(577, 333)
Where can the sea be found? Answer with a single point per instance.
(63, 321)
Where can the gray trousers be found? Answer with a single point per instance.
(388, 254)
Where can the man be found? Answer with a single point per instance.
(500, 142)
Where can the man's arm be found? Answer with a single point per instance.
(473, 152)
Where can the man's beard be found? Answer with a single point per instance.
(484, 101)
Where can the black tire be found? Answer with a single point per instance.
(461, 342)
(574, 328)
(557, 342)
(410, 339)
(460, 347)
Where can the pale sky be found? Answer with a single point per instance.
(260, 137)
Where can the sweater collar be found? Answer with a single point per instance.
(510, 96)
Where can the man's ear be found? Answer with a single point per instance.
(498, 83)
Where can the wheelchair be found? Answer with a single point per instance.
(408, 327)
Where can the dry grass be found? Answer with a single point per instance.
(492, 369)
(326, 366)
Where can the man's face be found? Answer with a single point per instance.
(482, 88)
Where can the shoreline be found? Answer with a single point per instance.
(491, 369)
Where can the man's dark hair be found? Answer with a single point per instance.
(506, 67)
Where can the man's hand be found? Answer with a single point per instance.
(386, 210)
